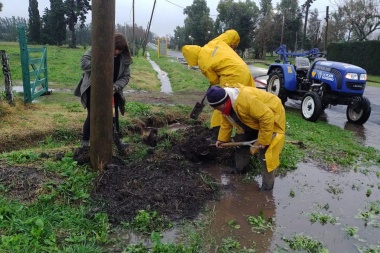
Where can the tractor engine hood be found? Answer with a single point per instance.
(341, 77)
(341, 67)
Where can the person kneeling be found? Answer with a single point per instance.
(255, 114)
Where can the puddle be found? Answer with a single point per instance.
(163, 76)
(339, 195)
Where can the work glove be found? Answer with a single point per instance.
(116, 88)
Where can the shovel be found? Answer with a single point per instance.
(198, 108)
(252, 144)
(116, 127)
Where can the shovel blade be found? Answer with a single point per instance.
(198, 108)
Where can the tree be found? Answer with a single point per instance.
(76, 9)
(363, 16)
(265, 29)
(57, 21)
(198, 23)
(337, 27)
(8, 28)
(1, 7)
(47, 28)
(288, 15)
(34, 28)
(313, 33)
(243, 17)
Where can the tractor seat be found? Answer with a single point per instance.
(302, 63)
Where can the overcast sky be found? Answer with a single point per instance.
(167, 16)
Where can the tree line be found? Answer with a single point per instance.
(63, 24)
(263, 28)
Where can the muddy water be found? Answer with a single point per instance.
(340, 194)
(239, 201)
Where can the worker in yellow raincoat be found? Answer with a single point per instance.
(256, 114)
(220, 64)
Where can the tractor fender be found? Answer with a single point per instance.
(290, 81)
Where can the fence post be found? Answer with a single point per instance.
(24, 55)
(7, 77)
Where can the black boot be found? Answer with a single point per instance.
(268, 177)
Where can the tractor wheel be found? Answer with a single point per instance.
(275, 85)
(311, 106)
(359, 112)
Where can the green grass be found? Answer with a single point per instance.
(58, 219)
(181, 77)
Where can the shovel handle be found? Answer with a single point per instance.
(233, 144)
(204, 97)
(237, 143)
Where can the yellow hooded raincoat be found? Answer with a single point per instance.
(259, 110)
(219, 63)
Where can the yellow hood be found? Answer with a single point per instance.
(231, 37)
(191, 52)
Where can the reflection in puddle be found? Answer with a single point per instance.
(296, 196)
(163, 76)
(341, 195)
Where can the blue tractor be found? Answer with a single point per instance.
(319, 84)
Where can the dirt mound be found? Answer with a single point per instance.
(171, 184)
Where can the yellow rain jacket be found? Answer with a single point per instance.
(220, 64)
(258, 110)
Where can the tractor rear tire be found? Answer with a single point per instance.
(358, 113)
(311, 106)
(275, 85)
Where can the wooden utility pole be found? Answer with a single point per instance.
(148, 29)
(103, 30)
(327, 28)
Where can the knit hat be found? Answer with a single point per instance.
(216, 96)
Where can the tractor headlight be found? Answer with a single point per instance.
(363, 77)
(352, 76)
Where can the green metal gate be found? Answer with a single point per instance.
(34, 68)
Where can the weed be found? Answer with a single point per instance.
(370, 217)
(233, 224)
(322, 218)
(369, 191)
(20, 157)
(159, 247)
(136, 109)
(351, 231)
(371, 249)
(146, 222)
(301, 242)
(292, 194)
(229, 245)
(259, 222)
(334, 189)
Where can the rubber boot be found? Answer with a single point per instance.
(267, 177)
(242, 156)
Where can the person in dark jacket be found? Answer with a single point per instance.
(122, 61)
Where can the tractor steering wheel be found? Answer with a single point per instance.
(320, 54)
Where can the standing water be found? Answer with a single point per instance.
(162, 75)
